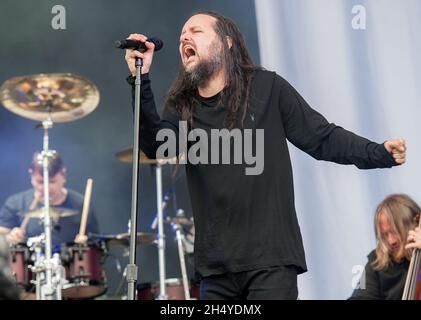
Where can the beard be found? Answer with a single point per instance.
(200, 74)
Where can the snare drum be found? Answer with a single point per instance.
(174, 290)
(84, 271)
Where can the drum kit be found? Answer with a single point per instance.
(76, 272)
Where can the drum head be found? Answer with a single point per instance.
(150, 291)
(77, 291)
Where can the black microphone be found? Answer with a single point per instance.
(138, 45)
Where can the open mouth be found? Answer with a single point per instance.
(189, 52)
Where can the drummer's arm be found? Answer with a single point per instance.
(5, 215)
(15, 235)
(9, 221)
(4, 230)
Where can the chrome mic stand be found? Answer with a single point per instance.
(132, 267)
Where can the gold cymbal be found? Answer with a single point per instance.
(54, 213)
(126, 155)
(61, 96)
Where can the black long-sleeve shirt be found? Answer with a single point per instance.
(244, 222)
(386, 284)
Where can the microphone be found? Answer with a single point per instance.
(138, 45)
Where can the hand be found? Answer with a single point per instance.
(397, 148)
(147, 56)
(16, 235)
(414, 239)
(38, 198)
(81, 239)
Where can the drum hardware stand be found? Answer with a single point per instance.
(45, 291)
(104, 248)
(50, 274)
(123, 274)
(159, 219)
(41, 264)
(161, 235)
(119, 289)
(180, 242)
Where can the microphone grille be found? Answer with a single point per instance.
(118, 43)
(157, 42)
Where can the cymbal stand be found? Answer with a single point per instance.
(35, 245)
(41, 264)
(161, 235)
(50, 276)
(180, 242)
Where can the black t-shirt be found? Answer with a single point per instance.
(245, 222)
(386, 284)
(64, 229)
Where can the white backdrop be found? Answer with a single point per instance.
(365, 80)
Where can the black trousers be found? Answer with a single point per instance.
(274, 283)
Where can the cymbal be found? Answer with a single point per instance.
(62, 97)
(179, 220)
(54, 213)
(126, 155)
(123, 239)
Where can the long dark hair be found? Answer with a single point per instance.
(238, 75)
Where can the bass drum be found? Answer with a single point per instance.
(174, 289)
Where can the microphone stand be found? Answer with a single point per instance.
(132, 267)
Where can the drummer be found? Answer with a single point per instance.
(20, 217)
